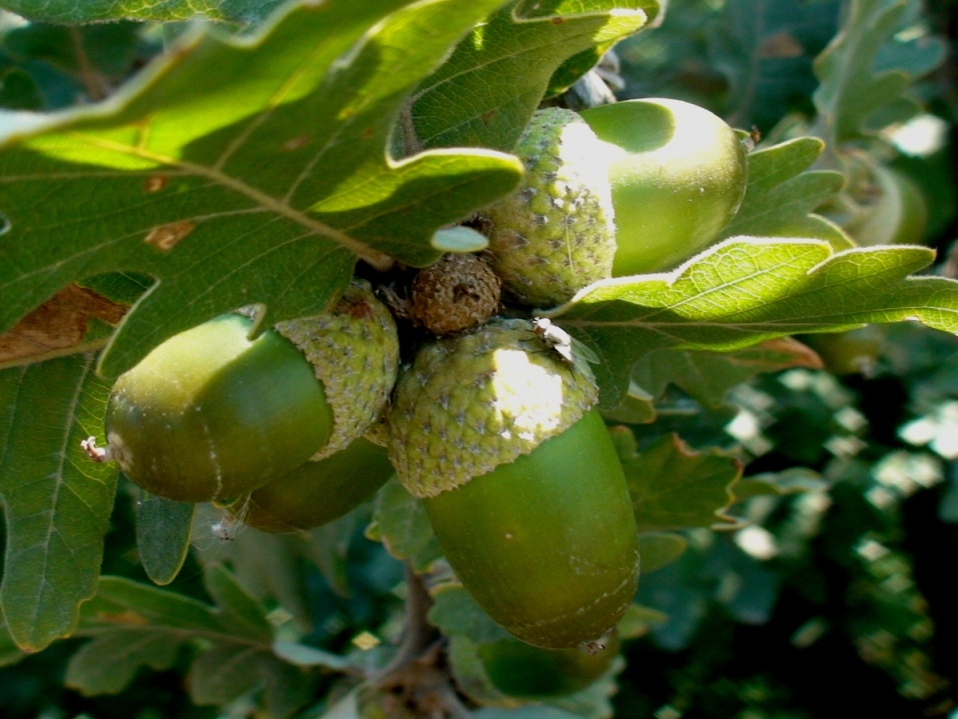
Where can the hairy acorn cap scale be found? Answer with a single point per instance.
(556, 233)
(471, 403)
(354, 349)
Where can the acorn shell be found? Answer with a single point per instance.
(210, 414)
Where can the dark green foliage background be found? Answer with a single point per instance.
(795, 637)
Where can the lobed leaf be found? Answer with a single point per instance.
(783, 193)
(749, 290)
(857, 94)
(708, 376)
(56, 502)
(674, 487)
(240, 171)
(466, 103)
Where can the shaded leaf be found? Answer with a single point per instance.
(764, 49)
(163, 531)
(747, 290)
(857, 94)
(708, 376)
(783, 193)
(637, 620)
(401, 524)
(658, 549)
(328, 547)
(224, 672)
(456, 613)
(74, 12)
(56, 502)
(673, 486)
(108, 663)
(466, 103)
(638, 407)
(791, 481)
(239, 612)
(239, 171)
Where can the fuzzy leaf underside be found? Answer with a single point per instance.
(860, 92)
(674, 487)
(241, 170)
(782, 194)
(56, 502)
(747, 290)
(484, 95)
(74, 12)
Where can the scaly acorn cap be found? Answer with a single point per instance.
(556, 233)
(354, 349)
(471, 403)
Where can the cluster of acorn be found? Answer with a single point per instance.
(493, 425)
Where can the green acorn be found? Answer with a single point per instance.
(556, 233)
(497, 433)
(211, 415)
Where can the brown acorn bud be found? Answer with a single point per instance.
(455, 294)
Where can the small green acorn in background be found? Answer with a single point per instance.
(211, 414)
(498, 434)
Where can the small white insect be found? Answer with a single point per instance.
(567, 346)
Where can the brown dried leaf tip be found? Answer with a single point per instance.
(455, 294)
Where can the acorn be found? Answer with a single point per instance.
(211, 414)
(317, 492)
(499, 436)
(678, 175)
(556, 233)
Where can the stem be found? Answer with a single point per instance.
(420, 634)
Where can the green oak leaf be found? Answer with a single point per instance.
(56, 502)
(238, 171)
(782, 194)
(401, 524)
(858, 94)
(747, 290)
(791, 481)
(75, 12)
(163, 530)
(708, 376)
(659, 549)
(675, 487)
(456, 613)
(134, 625)
(466, 103)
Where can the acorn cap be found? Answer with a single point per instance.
(556, 233)
(471, 403)
(354, 349)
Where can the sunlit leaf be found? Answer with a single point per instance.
(748, 290)
(242, 170)
(71, 12)
(466, 103)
